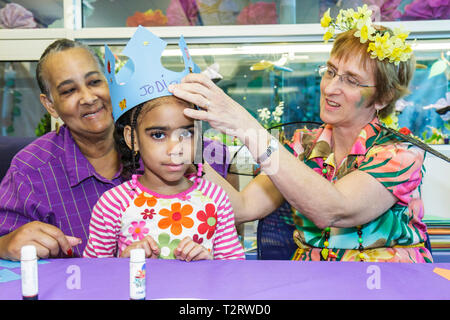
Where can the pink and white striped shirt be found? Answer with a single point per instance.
(129, 212)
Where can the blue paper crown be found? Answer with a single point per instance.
(143, 77)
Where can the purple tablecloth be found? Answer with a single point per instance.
(235, 280)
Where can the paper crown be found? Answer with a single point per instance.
(143, 77)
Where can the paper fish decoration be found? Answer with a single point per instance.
(269, 65)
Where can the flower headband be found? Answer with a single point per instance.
(382, 45)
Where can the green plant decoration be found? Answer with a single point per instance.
(44, 125)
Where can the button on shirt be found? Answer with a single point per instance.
(50, 180)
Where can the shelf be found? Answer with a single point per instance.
(434, 29)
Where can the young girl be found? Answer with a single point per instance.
(170, 214)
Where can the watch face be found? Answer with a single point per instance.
(273, 146)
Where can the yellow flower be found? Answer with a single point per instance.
(396, 54)
(365, 31)
(364, 12)
(329, 34)
(385, 38)
(399, 33)
(376, 50)
(350, 19)
(349, 13)
(326, 19)
(391, 121)
(339, 18)
(407, 49)
(381, 45)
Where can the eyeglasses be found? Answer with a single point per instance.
(329, 73)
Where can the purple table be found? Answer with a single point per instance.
(235, 280)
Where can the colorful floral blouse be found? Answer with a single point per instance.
(395, 236)
(129, 212)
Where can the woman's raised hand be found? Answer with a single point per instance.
(222, 112)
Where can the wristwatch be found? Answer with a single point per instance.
(271, 148)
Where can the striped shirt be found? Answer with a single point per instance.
(129, 212)
(50, 180)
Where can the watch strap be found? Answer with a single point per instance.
(271, 148)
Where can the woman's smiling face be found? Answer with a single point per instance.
(79, 91)
(341, 104)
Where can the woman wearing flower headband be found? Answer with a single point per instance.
(354, 185)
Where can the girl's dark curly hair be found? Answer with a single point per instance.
(129, 158)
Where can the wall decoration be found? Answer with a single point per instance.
(148, 18)
(14, 16)
(258, 13)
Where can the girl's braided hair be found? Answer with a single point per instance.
(129, 159)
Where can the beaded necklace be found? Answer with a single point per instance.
(326, 253)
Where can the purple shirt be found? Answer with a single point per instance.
(50, 180)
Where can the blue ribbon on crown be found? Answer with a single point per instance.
(143, 77)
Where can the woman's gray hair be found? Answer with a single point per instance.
(57, 46)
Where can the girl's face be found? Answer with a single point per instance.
(165, 139)
(342, 104)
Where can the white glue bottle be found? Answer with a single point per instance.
(137, 274)
(29, 270)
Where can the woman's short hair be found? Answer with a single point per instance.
(57, 46)
(392, 80)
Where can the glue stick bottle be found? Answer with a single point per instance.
(29, 270)
(137, 274)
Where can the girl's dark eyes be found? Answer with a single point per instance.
(158, 135)
(184, 134)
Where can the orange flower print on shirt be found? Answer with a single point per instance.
(208, 219)
(143, 198)
(177, 218)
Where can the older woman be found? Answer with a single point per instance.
(354, 185)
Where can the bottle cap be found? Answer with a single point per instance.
(137, 255)
(28, 252)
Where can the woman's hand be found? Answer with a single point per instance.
(47, 239)
(189, 250)
(148, 244)
(222, 112)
